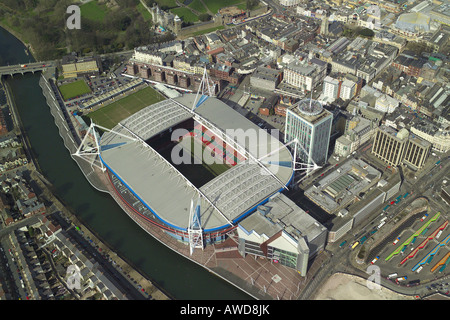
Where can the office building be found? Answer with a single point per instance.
(310, 123)
(348, 89)
(390, 144)
(416, 152)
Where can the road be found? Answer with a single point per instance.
(276, 7)
(23, 68)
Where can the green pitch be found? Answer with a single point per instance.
(74, 89)
(216, 168)
(115, 112)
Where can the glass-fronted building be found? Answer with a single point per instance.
(311, 124)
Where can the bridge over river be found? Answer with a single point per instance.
(24, 68)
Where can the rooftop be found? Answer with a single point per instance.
(340, 187)
(282, 214)
(313, 113)
(166, 192)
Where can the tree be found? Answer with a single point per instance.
(204, 17)
(149, 3)
(251, 4)
(31, 231)
(367, 33)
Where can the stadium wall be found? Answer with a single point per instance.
(181, 233)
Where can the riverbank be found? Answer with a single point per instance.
(125, 267)
(31, 52)
(147, 288)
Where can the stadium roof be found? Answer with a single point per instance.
(229, 197)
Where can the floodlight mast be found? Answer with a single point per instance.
(308, 167)
(195, 230)
(204, 89)
(86, 152)
(90, 153)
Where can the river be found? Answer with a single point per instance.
(180, 277)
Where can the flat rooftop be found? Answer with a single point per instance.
(281, 213)
(313, 114)
(338, 188)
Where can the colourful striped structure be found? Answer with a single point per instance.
(442, 263)
(424, 243)
(417, 233)
(432, 253)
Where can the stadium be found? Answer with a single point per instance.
(193, 166)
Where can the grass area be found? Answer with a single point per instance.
(198, 6)
(167, 3)
(115, 112)
(214, 168)
(93, 11)
(185, 14)
(215, 5)
(197, 33)
(6, 23)
(145, 14)
(242, 6)
(74, 89)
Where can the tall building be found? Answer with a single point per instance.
(311, 124)
(324, 26)
(416, 152)
(331, 89)
(389, 144)
(348, 89)
(395, 147)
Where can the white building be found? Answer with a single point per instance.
(386, 103)
(148, 57)
(289, 3)
(331, 88)
(305, 75)
(348, 89)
